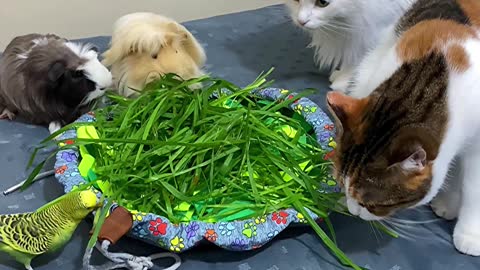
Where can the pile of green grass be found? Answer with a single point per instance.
(218, 153)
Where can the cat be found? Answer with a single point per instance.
(412, 113)
(343, 31)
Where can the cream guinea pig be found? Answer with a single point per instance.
(145, 46)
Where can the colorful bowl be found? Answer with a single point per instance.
(237, 235)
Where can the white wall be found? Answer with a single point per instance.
(84, 18)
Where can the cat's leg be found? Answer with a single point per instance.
(466, 235)
(334, 75)
(447, 202)
(377, 66)
(341, 79)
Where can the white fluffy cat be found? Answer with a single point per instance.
(344, 30)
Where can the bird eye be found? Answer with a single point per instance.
(322, 3)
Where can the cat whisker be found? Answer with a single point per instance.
(323, 31)
(338, 29)
(401, 230)
(333, 30)
(421, 210)
(373, 230)
(406, 221)
(345, 25)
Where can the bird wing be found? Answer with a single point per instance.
(22, 233)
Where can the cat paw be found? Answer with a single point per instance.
(334, 75)
(54, 127)
(340, 80)
(467, 241)
(340, 85)
(446, 206)
(7, 114)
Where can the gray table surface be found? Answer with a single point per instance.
(239, 46)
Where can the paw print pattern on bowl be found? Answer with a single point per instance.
(69, 156)
(249, 230)
(61, 170)
(301, 218)
(226, 228)
(158, 227)
(211, 235)
(261, 220)
(192, 229)
(280, 217)
(137, 216)
(176, 244)
(271, 235)
(239, 244)
(140, 231)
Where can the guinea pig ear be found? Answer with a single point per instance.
(193, 47)
(56, 71)
(94, 48)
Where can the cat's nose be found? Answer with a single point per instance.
(302, 22)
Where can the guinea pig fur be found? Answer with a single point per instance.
(145, 46)
(48, 80)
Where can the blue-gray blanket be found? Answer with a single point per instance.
(239, 47)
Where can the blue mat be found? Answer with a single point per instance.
(239, 46)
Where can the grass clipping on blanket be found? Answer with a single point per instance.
(174, 149)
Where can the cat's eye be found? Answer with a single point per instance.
(322, 3)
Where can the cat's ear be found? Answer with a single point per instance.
(345, 109)
(416, 162)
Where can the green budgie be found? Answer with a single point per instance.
(25, 236)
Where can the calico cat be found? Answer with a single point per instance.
(414, 109)
(344, 30)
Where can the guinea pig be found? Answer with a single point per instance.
(145, 46)
(48, 80)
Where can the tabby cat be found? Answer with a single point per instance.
(414, 108)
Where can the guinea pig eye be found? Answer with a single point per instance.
(77, 74)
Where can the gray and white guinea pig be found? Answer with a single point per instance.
(48, 80)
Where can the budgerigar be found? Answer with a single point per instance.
(25, 236)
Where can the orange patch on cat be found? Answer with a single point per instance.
(432, 36)
(348, 111)
(418, 180)
(457, 58)
(471, 9)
